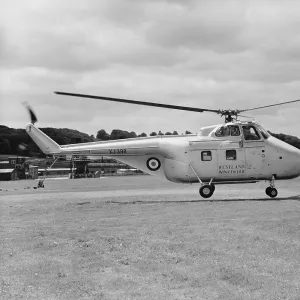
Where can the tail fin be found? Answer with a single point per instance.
(47, 145)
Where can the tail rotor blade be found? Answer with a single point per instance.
(33, 117)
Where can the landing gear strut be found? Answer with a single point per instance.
(271, 190)
(206, 190)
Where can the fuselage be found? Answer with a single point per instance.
(222, 153)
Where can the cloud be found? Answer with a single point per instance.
(206, 25)
(208, 54)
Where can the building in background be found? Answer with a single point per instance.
(12, 167)
(8, 174)
(33, 172)
(55, 172)
(18, 167)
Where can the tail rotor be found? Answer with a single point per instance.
(33, 117)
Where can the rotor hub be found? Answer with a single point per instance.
(230, 115)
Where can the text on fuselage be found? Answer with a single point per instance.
(232, 169)
(117, 151)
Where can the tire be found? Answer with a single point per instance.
(268, 189)
(273, 193)
(206, 191)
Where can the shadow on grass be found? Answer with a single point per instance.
(297, 197)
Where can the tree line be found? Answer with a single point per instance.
(18, 142)
(118, 134)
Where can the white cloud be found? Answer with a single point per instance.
(208, 54)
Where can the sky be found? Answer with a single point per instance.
(214, 54)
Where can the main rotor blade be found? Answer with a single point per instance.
(140, 102)
(245, 116)
(281, 103)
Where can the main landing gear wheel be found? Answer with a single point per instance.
(271, 192)
(207, 190)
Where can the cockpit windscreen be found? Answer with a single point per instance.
(230, 130)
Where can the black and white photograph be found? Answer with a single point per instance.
(150, 149)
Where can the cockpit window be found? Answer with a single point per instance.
(263, 132)
(250, 133)
(222, 131)
(232, 130)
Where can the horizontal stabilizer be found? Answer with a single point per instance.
(47, 145)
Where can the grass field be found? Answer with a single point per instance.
(142, 238)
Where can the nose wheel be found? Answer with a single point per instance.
(207, 190)
(271, 190)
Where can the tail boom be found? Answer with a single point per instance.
(128, 147)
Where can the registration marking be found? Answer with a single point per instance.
(117, 151)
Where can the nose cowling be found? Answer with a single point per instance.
(285, 159)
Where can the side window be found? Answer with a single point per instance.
(230, 154)
(206, 155)
(250, 133)
(222, 131)
(234, 130)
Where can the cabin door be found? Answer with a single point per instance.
(255, 159)
(204, 163)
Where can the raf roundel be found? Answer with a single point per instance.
(153, 164)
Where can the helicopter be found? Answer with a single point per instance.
(235, 152)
